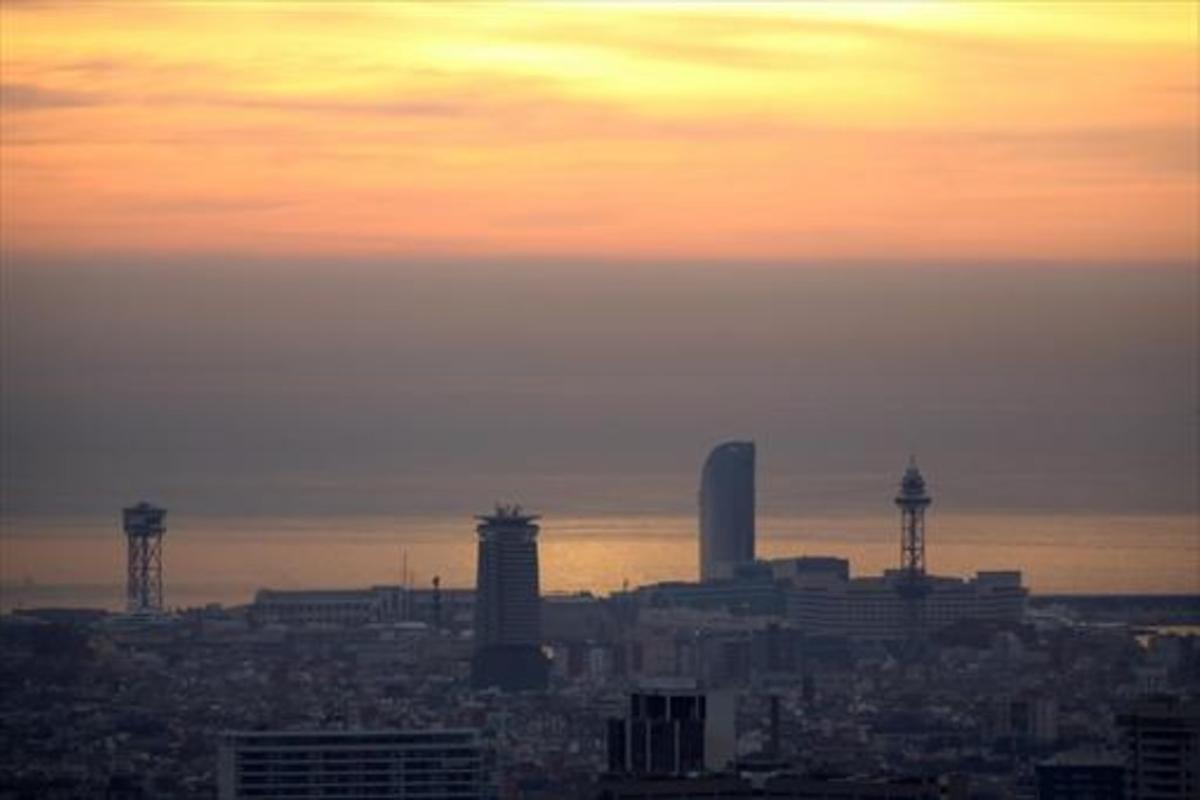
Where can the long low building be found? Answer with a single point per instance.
(435, 764)
(872, 608)
(451, 608)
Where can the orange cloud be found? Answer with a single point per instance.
(790, 132)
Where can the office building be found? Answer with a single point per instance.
(1162, 748)
(673, 730)
(873, 608)
(508, 625)
(1026, 719)
(1081, 776)
(437, 607)
(432, 765)
(782, 787)
(726, 510)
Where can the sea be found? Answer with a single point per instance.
(80, 562)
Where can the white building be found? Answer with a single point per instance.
(826, 603)
(433, 764)
(450, 608)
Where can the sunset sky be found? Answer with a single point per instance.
(904, 131)
(328, 267)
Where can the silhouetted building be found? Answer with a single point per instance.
(782, 787)
(444, 764)
(144, 529)
(1026, 719)
(790, 568)
(1162, 748)
(1075, 777)
(508, 625)
(673, 731)
(726, 510)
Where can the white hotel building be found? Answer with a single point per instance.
(872, 608)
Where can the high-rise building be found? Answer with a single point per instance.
(508, 620)
(726, 510)
(673, 731)
(442, 764)
(144, 529)
(1162, 748)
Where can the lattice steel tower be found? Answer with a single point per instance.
(912, 500)
(144, 530)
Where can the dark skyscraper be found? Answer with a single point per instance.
(726, 509)
(673, 732)
(508, 623)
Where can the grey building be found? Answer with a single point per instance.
(432, 764)
(1080, 777)
(1162, 748)
(673, 731)
(726, 510)
(508, 623)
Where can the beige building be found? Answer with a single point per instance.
(826, 603)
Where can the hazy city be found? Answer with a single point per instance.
(576, 401)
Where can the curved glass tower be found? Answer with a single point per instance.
(726, 510)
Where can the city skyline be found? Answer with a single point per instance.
(833, 368)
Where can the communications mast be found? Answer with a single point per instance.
(144, 530)
(912, 501)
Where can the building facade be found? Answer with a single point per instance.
(1162, 748)
(438, 608)
(1067, 778)
(370, 765)
(673, 731)
(873, 608)
(726, 510)
(508, 620)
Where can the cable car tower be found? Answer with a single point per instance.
(144, 530)
(912, 501)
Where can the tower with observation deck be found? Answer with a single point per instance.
(912, 584)
(144, 529)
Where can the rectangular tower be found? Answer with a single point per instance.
(673, 732)
(508, 619)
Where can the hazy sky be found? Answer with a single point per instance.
(322, 259)
(317, 387)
